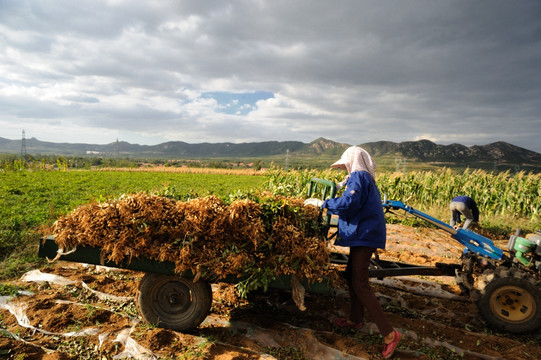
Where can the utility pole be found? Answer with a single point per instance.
(117, 147)
(399, 162)
(23, 147)
(287, 159)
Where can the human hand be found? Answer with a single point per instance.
(313, 202)
(342, 183)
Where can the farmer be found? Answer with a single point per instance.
(463, 205)
(361, 227)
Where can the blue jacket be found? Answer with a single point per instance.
(361, 221)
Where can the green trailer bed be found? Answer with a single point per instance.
(165, 298)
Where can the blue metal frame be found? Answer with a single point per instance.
(472, 241)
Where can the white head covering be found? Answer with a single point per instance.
(356, 159)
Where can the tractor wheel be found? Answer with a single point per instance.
(510, 300)
(173, 302)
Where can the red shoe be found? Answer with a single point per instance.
(388, 349)
(345, 323)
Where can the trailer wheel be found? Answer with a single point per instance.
(511, 301)
(173, 302)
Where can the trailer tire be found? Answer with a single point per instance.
(510, 300)
(173, 302)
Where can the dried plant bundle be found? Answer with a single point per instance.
(252, 239)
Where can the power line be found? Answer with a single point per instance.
(23, 147)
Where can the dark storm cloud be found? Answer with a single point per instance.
(352, 71)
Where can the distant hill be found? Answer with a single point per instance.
(427, 151)
(167, 149)
(417, 151)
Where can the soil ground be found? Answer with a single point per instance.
(93, 315)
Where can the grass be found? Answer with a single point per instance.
(8, 290)
(33, 200)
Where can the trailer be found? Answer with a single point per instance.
(177, 302)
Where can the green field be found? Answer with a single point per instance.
(32, 200)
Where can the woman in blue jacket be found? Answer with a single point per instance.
(361, 227)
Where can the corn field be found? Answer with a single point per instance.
(496, 193)
(517, 195)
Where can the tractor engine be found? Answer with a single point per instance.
(527, 250)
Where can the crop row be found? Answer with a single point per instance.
(503, 193)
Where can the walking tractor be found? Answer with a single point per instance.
(504, 284)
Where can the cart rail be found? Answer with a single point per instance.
(378, 268)
(93, 255)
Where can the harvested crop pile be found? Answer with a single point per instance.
(255, 240)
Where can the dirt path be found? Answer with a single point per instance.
(89, 312)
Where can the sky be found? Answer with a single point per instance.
(352, 71)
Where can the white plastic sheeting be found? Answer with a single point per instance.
(265, 337)
(313, 348)
(17, 306)
(41, 278)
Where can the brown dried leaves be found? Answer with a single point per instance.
(204, 235)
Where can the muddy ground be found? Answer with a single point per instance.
(89, 312)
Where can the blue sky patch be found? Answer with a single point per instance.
(237, 103)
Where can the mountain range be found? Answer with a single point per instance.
(417, 151)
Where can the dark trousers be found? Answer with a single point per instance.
(360, 293)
